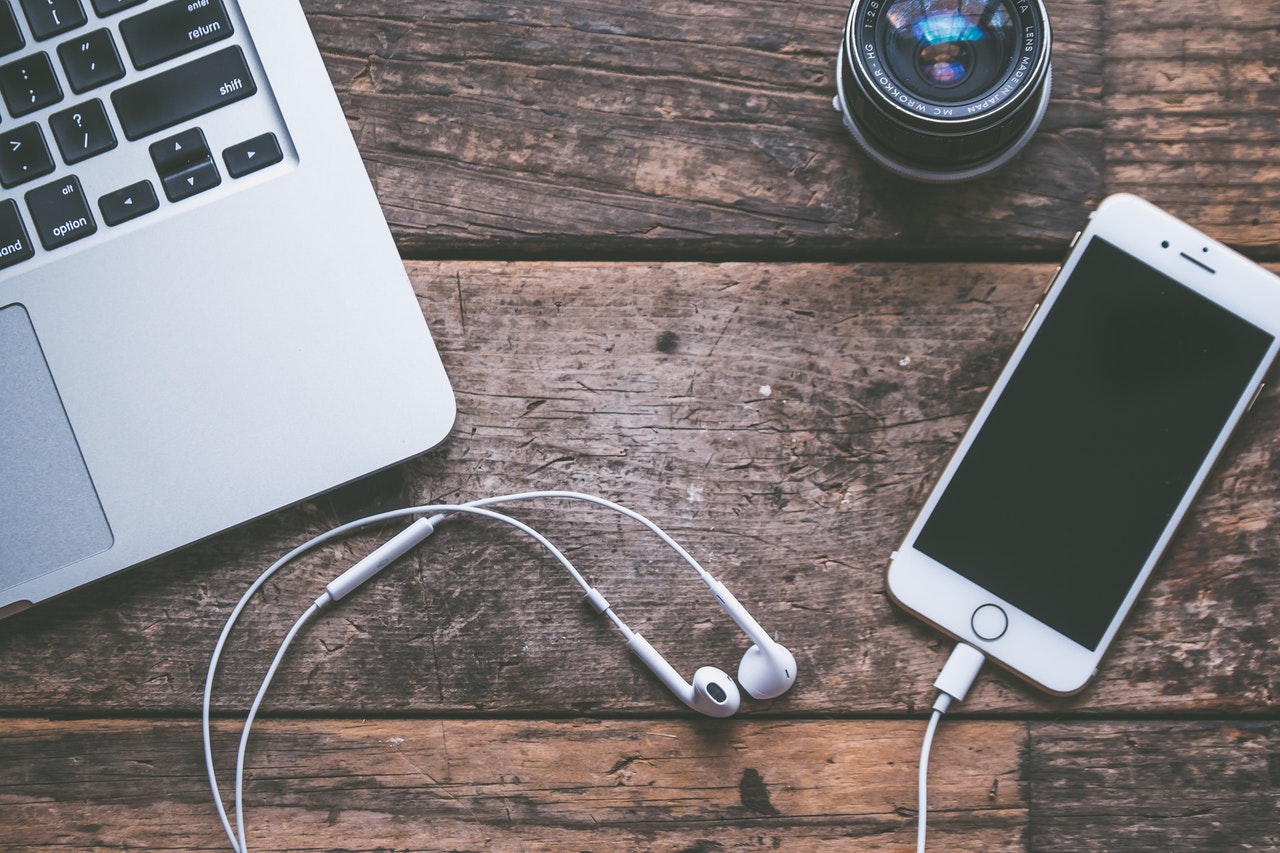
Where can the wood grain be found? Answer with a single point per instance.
(515, 785)
(1185, 786)
(705, 131)
(652, 785)
(782, 420)
(658, 269)
(1192, 104)
(673, 130)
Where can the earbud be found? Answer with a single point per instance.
(768, 672)
(768, 669)
(712, 692)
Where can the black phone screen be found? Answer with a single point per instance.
(1099, 433)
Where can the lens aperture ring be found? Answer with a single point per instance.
(919, 101)
(959, 147)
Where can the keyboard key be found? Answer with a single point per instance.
(24, 156)
(60, 212)
(48, 18)
(174, 29)
(183, 93)
(15, 246)
(194, 179)
(252, 155)
(177, 152)
(90, 60)
(29, 84)
(10, 36)
(83, 131)
(109, 7)
(185, 165)
(128, 203)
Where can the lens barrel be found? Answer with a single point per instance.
(943, 90)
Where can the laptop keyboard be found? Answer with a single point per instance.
(116, 110)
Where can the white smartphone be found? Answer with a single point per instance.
(1148, 347)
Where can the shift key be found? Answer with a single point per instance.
(182, 93)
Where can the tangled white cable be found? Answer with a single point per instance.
(767, 670)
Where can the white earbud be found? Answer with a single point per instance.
(768, 669)
(768, 672)
(712, 692)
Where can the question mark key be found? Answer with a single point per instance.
(82, 131)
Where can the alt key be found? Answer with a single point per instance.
(60, 213)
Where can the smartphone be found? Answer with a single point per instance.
(1145, 351)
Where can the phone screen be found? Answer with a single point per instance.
(1098, 435)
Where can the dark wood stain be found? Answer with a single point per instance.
(658, 269)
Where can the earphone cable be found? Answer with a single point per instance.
(375, 562)
(607, 504)
(440, 511)
(727, 600)
(232, 618)
(242, 750)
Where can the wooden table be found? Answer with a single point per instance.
(659, 270)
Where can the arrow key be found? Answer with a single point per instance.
(252, 155)
(196, 178)
(177, 152)
(184, 164)
(128, 203)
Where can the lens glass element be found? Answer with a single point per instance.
(943, 90)
(949, 51)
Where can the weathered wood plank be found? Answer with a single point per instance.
(647, 785)
(675, 129)
(782, 420)
(1193, 108)
(513, 785)
(707, 130)
(1192, 786)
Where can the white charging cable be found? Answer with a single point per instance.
(366, 568)
(957, 676)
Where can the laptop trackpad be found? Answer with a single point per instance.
(49, 511)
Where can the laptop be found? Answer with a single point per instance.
(203, 316)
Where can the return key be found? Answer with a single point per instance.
(174, 29)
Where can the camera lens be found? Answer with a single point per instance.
(943, 90)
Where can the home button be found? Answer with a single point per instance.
(989, 622)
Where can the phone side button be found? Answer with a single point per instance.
(1030, 317)
(1256, 395)
(989, 622)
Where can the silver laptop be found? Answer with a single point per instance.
(203, 317)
